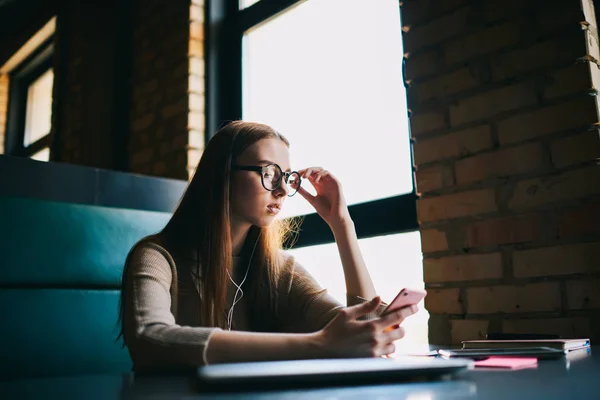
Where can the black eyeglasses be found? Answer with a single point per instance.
(271, 176)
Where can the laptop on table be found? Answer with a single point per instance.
(324, 372)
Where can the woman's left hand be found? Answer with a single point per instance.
(329, 201)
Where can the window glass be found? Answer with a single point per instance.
(394, 262)
(39, 108)
(42, 155)
(333, 86)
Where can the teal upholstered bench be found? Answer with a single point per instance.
(60, 271)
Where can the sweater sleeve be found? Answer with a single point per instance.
(155, 340)
(307, 307)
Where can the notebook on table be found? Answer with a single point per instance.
(559, 344)
(326, 372)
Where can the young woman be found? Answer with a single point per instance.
(214, 285)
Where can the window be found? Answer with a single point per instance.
(336, 91)
(247, 3)
(30, 105)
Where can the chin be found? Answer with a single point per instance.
(264, 222)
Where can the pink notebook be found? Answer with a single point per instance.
(507, 362)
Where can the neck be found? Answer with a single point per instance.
(239, 232)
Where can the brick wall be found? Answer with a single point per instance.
(129, 85)
(67, 107)
(196, 99)
(507, 165)
(160, 110)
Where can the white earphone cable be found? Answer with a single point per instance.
(239, 288)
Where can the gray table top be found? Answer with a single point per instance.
(577, 376)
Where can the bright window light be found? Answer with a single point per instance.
(42, 155)
(247, 3)
(328, 75)
(39, 108)
(394, 262)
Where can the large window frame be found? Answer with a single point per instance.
(225, 28)
(38, 63)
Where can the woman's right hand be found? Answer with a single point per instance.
(346, 336)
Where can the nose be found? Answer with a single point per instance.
(282, 189)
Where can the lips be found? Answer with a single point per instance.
(274, 208)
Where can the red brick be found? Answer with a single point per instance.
(142, 123)
(580, 221)
(456, 205)
(417, 11)
(514, 299)
(197, 30)
(444, 301)
(494, 10)
(196, 102)
(468, 329)
(433, 240)
(583, 294)
(461, 143)
(543, 54)
(566, 81)
(492, 103)
(196, 84)
(569, 185)
(196, 48)
(196, 13)
(143, 156)
(443, 86)
(193, 157)
(423, 64)
(501, 163)
(576, 113)
(557, 260)
(196, 66)
(196, 120)
(178, 108)
(427, 122)
(462, 268)
(430, 33)
(576, 327)
(439, 329)
(506, 230)
(159, 168)
(482, 42)
(196, 140)
(433, 178)
(576, 149)
(557, 15)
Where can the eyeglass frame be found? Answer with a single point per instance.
(284, 175)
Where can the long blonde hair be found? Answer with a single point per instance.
(201, 223)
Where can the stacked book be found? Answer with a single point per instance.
(539, 348)
(558, 344)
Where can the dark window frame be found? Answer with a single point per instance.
(224, 31)
(39, 62)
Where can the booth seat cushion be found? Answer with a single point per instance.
(60, 275)
(48, 332)
(52, 243)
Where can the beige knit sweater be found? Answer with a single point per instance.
(162, 306)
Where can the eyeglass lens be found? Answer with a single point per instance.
(272, 177)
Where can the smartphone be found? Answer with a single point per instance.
(406, 297)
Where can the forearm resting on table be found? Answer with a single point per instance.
(236, 346)
(356, 275)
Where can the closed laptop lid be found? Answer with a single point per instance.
(326, 372)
